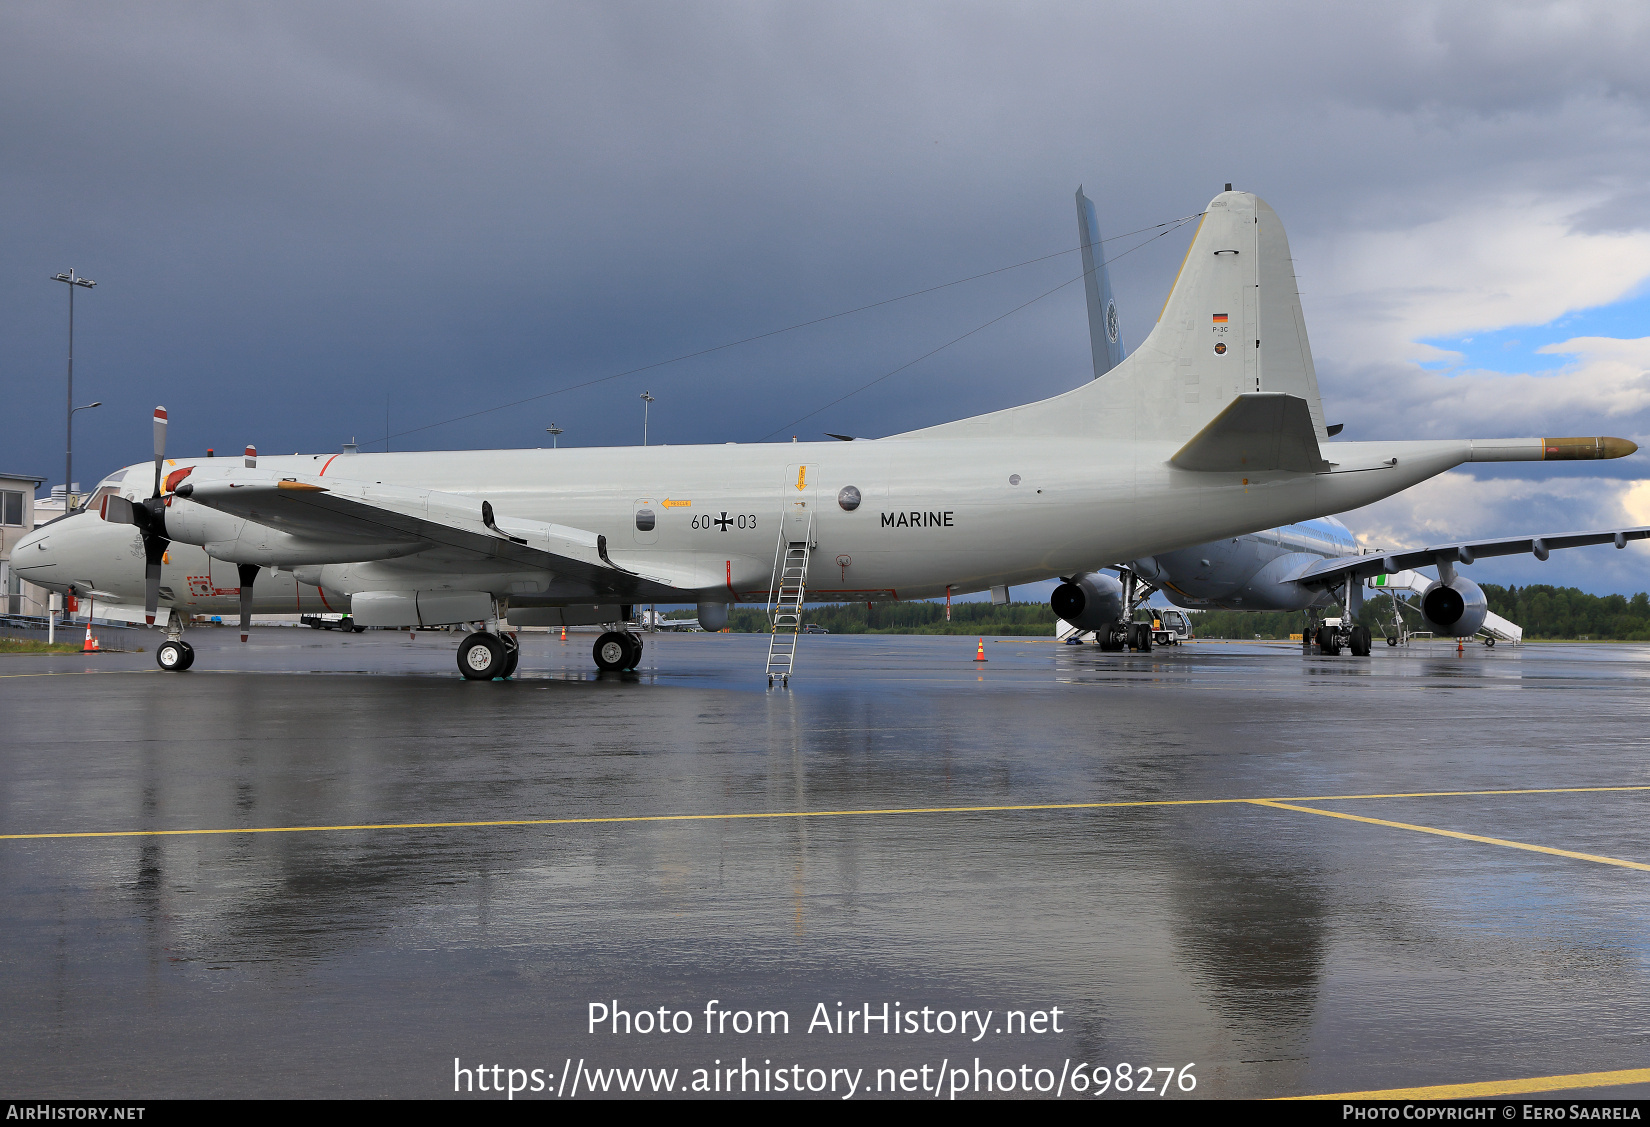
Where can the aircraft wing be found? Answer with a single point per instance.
(1333, 572)
(462, 528)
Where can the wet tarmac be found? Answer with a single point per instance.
(687, 839)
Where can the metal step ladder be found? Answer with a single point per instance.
(786, 593)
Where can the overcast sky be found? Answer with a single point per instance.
(302, 217)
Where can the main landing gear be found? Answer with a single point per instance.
(174, 655)
(484, 655)
(1114, 637)
(618, 650)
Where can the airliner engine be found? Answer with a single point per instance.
(1456, 608)
(1088, 601)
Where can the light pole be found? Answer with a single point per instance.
(555, 433)
(74, 282)
(647, 401)
(68, 501)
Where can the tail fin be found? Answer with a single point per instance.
(1232, 326)
(1105, 335)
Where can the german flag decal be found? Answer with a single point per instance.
(1220, 318)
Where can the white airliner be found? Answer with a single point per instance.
(1210, 430)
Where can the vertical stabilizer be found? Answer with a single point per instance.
(1105, 334)
(1232, 326)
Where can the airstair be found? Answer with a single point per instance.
(1495, 628)
(787, 591)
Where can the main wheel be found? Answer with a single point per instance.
(1143, 637)
(1359, 643)
(481, 657)
(512, 654)
(612, 651)
(175, 656)
(1327, 642)
(635, 644)
(1108, 638)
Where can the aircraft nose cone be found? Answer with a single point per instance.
(32, 549)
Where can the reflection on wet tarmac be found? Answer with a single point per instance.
(1282, 951)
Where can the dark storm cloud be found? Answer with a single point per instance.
(298, 214)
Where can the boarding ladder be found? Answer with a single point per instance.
(787, 590)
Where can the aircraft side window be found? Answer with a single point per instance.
(848, 498)
(645, 520)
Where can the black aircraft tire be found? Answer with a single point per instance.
(1107, 637)
(1327, 642)
(1359, 643)
(481, 657)
(175, 656)
(611, 651)
(1143, 638)
(635, 657)
(512, 655)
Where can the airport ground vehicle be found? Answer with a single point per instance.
(331, 622)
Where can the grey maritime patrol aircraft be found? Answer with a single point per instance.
(1211, 429)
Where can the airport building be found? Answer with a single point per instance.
(17, 518)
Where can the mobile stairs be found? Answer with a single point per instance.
(787, 591)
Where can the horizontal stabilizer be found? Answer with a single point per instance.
(1257, 432)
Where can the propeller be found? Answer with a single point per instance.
(249, 573)
(150, 518)
(151, 523)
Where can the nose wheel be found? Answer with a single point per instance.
(175, 655)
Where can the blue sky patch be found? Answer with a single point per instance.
(1513, 349)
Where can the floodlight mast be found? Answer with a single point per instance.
(74, 282)
(647, 401)
(555, 433)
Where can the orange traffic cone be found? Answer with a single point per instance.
(564, 632)
(980, 655)
(90, 646)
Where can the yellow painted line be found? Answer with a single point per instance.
(1457, 835)
(776, 814)
(1496, 1087)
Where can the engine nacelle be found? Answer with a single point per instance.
(1089, 601)
(1456, 608)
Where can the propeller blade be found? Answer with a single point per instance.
(151, 591)
(160, 444)
(118, 510)
(249, 574)
(152, 523)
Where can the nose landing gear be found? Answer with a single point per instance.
(174, 655)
